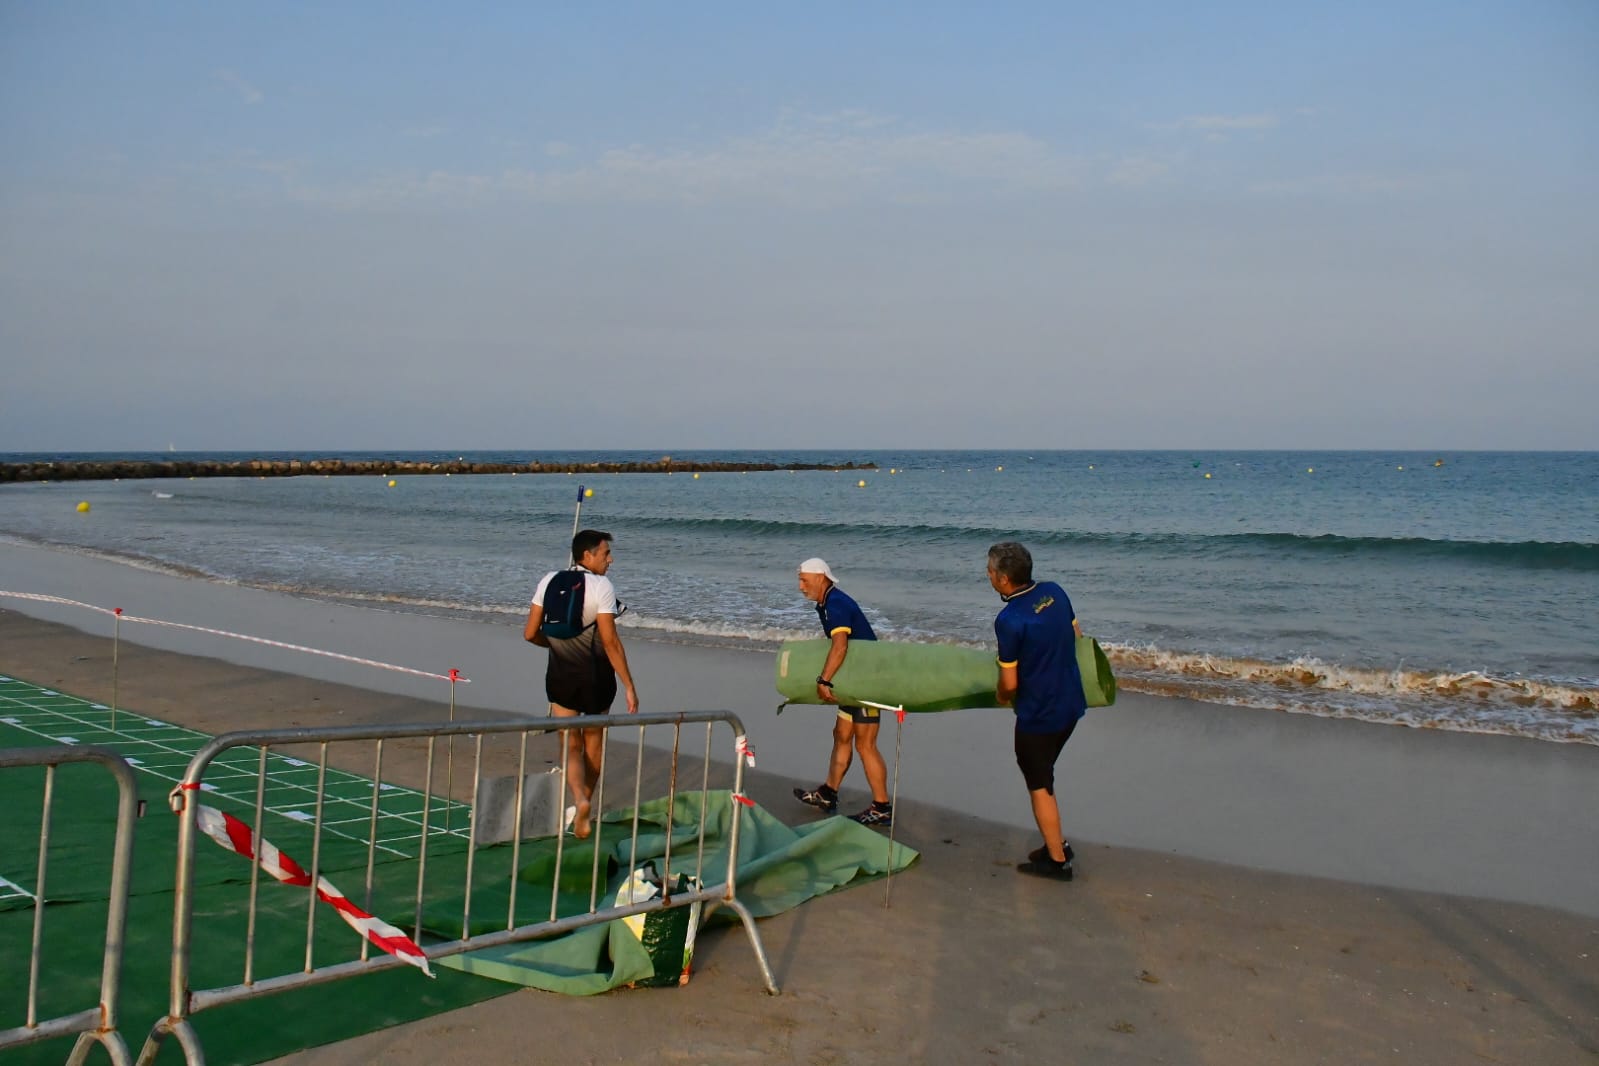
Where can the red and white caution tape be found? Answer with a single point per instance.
(236, 836)
(453, 676)
(741, 745)
(739, 797)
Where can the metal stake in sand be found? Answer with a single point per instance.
(449, 755)
(893, 798)
(116, 642)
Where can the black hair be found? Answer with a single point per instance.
(586, 541)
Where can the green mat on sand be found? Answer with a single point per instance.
(779, 867)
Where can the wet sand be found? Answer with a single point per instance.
(1149, 956)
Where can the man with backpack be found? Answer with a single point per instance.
(574, 616)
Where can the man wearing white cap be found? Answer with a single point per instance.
(855, 729)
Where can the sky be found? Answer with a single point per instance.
(826, 225)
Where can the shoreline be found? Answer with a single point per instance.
(1295, 794)
(1146, 957)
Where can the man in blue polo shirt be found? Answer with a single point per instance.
(1038, 677)
(855, 727)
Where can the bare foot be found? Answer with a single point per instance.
(580, 824)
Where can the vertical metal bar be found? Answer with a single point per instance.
(183, 902)
(888, 880)
(516, 829)
(255, 866)
(36, 953)
(638, 795)
(422, 848)
(449, 767)
(732, 833)
(117, 906)
(316, 854)
(671, 807)
(471, 837)
(372, 835)
(705, 799)
(560, 834)
(116, 646)
(596, 804)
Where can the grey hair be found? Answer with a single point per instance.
(1011, 560)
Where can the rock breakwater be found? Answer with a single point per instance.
(107, 470)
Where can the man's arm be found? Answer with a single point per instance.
(835, 659)
(532, 632)
(1007, 684)
(612, 642)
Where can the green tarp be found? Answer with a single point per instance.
(779, 867)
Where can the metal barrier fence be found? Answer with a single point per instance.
(197, 819)
(99, 1022)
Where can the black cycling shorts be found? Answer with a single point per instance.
(1036, 754)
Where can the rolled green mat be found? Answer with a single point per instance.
(918, 677)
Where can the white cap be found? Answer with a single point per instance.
(818, 566)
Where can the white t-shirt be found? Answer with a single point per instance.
(599, 595)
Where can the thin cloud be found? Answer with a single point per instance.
(247, 92)
(803, 161)
(1344, 185)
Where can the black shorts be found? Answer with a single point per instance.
(1036, 754)
(579, 676)
(861, 715)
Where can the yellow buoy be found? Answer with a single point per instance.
(860, 484)
(696, 477)
(392, 483)
(588, 492)
(1207, 475)
(83, 506)
(1310, 470)
(999, 468)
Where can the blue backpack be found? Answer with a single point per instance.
(563, 605)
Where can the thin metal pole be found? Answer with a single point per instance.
(516, 830)
(116, 644)
(471, 843)
(255, 866)
(449, 761)
(888, 882)
(316, 856)
(39, 896)
(570, 558)
(372, 834)
(596, 804)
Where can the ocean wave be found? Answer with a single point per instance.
(1529, 554)
(1465, 701)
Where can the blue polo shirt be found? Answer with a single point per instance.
(1036, 636)
(838, 612)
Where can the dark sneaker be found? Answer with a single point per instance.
(1042, 852)
(1047, 868)
(814, 798)
(875, 816)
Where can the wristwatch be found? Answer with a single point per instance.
(824, 682)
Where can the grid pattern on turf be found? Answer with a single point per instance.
(163, 750)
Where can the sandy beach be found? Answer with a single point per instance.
(1252, 887)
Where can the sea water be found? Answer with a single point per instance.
(1445, 590)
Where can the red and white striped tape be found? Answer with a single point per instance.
(452, 676)
(741, 745)
(236, 836)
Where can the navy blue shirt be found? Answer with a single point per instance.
(838, 612)
(1037, 637)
